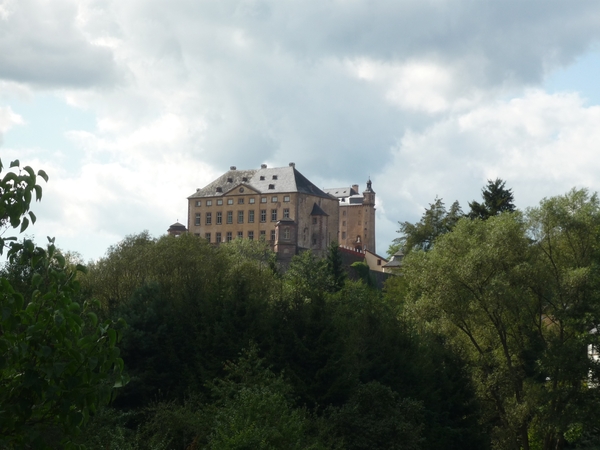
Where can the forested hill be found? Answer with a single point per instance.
(488, 338)
(225, 352)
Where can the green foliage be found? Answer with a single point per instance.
(435, 222)
(496, 199)
(58, 362)
(306, 278)
(518, 297)
(364, 273)
(255, 410)
(335, 267)
(375, 417)
(200, 305)
(16, 193)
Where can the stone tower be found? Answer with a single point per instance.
(368, 205)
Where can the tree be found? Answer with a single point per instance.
(58, 363)
(566, 242)
(472, 287)
(254, 409)
(436, 221)
(496, 199)
(375, 417)
(335, 267)
(518, 297)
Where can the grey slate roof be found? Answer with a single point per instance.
(287, 180)
(396, 259)
(341, 192)
(317, 211)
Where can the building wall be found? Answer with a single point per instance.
(280, 203)
(341, 222)
(325, 228)
(297, 209)
(357, 221)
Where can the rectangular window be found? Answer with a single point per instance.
(240, 216)
(240, 235)
(314, 220)
(208, 218)
(219, 218)
(286, 213)
(274, 199)
(343, 235)
(251, 216)
(263, 233)
(207, 236)
(251, 235)
(229, 236)
(219, 202)
(273, 215)
(251, 200)
(230, 201)
(198, 203)
(263, 199)
(208, 202)
(197, 223)
(263, 215)
(343, 223)
(286, 234)
(286, 198)
(240, 201)
(229, 216)
(272, 235)
(218, 238)
(274, 177)
(344, 213)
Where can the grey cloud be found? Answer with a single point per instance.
(41, 44)
(503, 39)
(278, 94)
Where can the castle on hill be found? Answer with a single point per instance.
(281, 206)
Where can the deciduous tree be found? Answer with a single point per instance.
(58, 362)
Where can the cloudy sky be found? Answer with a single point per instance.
(131, 105)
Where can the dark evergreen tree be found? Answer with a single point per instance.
(335, 267)
(496, 199)
(436, 220)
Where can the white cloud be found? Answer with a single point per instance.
(8, 119)
(428, 97)
(541, 144)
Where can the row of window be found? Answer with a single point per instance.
(240, 235)
(241, 200)
(240, 217)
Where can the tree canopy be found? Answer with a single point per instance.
(58, 362)
(496, 199)
(517, 295)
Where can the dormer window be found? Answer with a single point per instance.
(274, 177)
(262, 178)
(271, 186)
(244, 179)
(219, 189)
(230, 180)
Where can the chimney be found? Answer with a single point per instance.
(263, 166)
(232, 168)
(355, 188)
(292, 164)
